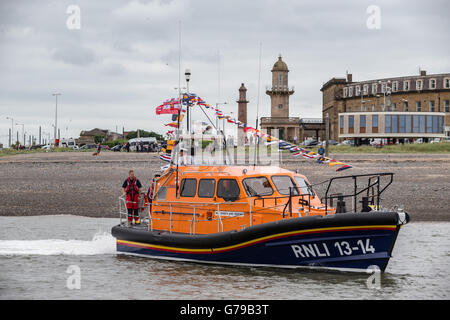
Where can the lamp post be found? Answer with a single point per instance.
(56, 115)
(12, 131)
(23, 131)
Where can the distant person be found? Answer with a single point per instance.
(321, 152)
(99, 148)
(185, 158)
(131, 188)
(127, 146)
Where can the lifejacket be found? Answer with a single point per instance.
(132, 188)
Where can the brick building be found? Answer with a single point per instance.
(400, 108)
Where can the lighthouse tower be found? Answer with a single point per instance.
(242, 110)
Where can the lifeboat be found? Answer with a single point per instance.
(263, 216)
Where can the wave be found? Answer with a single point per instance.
(102, 243)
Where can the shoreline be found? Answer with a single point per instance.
(72, 183)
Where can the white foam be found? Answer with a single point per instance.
(102, 243)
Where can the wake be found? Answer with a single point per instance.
(102, 243)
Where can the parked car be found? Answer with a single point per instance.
(330, 142)
(309, 143)
(116, 148)
(88, 146)
(446, 139)
(347, 143)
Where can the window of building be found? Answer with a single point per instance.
(280, 106)
(394, 107)
(441, 124)
(408, 124)
(405, 106)
(366, 89)
(228, 189)
(362, 124)
(375, 121)
(447, 83)
(432, 109)
(429, 124)
(447, 106)
(395, 86)
(256, 187)
(419, 85)
(422, 124)
(374, 88)
(435, 124)
(406, 85)
(188, 187)
(383, 87)
(387, 123)
(402, 124)
(373, 107)
(357, 91)
(341, 124)
(394, 123)
(432, 84)
(416, 127)
(350, 91)
(206, 188)
(280, 80)
(284, 184)
(351, 124)
(418, 106)
(345, 92)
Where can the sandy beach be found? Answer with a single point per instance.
(77, 183)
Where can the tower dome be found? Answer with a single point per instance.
(280, 65)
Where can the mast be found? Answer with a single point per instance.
(257, 105)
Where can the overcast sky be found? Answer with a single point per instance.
(123, 61)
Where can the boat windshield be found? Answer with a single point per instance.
(305, 187)
(284, 184)
(258, 187)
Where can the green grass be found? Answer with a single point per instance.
(11, 152)
(441, 147)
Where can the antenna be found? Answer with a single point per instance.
(257, 103)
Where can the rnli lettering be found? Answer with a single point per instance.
(342, 248)
(310, 250)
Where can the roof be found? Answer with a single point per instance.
(280, 65)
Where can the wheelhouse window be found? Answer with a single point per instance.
(206, 188)
(228, 189)
(258, 186)
(304, 186)
(188, 187)
(284, 184)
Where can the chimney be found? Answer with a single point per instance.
(349, 77)
(423, 73)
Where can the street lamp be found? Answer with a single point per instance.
(56, 114)
(12, 131)
(23, 131)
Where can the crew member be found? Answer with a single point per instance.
(131, 188)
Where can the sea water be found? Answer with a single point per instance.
(71, 257)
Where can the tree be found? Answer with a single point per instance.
(144, 134)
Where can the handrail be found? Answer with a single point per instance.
(356, 192)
